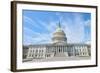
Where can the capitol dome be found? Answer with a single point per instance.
(59, 36)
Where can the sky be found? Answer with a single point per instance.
(39, 26)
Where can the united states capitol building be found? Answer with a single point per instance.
(57, 50)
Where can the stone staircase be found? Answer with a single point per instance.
(59, 55)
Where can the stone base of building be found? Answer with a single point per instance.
(57, 59)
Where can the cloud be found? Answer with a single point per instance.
(75, 33)
(31, 37)
(74, 28)
(36, 36)
(72, 24)
(48, 26)
(30, 22)
(87, 23)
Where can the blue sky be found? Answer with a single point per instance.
(38, 26)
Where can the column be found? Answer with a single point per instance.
(57, 49)
(63, 49)
(74, 51)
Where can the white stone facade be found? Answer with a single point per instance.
(50, 51)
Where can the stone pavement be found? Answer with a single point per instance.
(57, 59)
